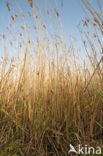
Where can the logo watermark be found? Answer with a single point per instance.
(85, 150)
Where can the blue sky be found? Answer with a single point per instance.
(70, 12)
(70, 15)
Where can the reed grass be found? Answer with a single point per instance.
(46, 100)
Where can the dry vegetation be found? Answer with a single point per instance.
(46, 100)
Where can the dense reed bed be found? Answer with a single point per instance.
(47, 101)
